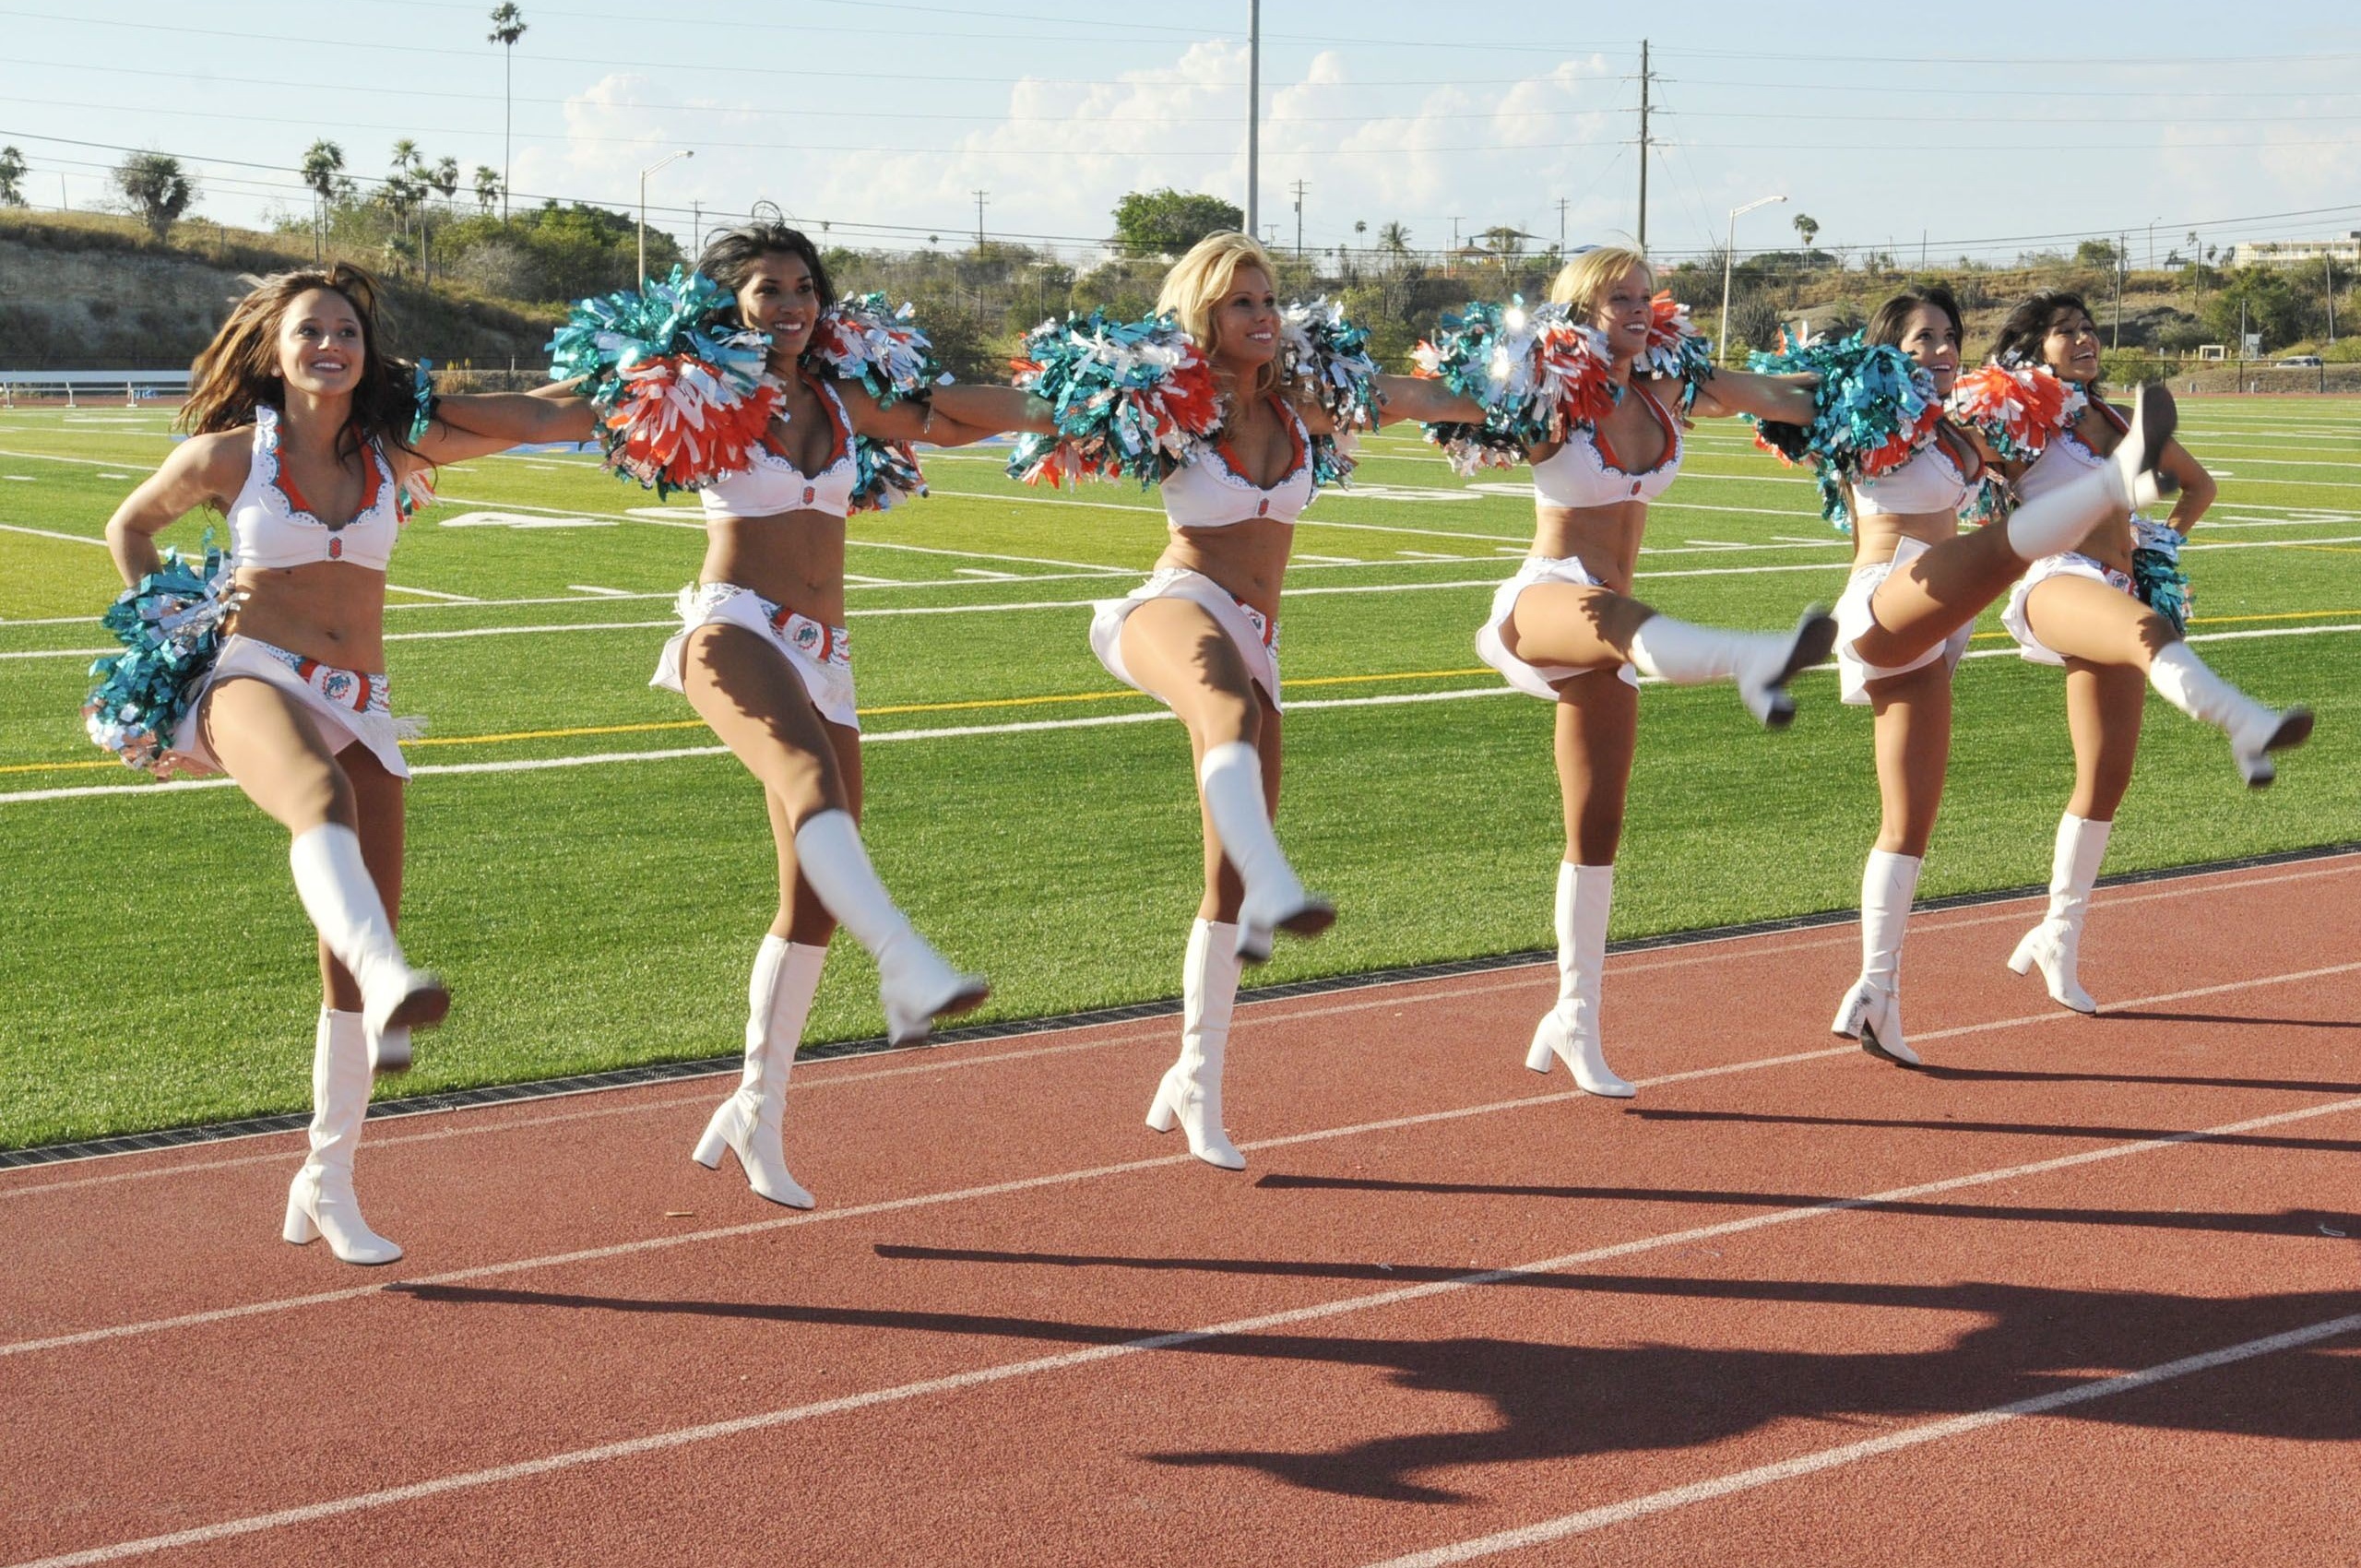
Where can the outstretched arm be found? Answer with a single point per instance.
(1426, 400)
(1787, 398)
(473, 424)
(205, 472)
(955, 415)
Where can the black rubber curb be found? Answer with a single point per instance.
(710, 1066)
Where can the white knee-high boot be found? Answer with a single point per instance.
(917, 986)
(2059, 520)
(1231, 779)
(778, 1000)
(341, 898)
(320, 1203)
(2185, 680)
(1761, 663)
(1191, 1092)
(1570, 1030)
(1871, 1011)
(2055, 943)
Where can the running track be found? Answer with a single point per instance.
(1453, 1312)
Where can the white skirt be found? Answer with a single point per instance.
(1854, 619)
(1256, 636)
(1537, 679)
(352, 708)
(820, 654)
(2069, 564)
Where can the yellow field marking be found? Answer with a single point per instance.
(866, 712)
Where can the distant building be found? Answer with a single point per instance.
(2295, 252)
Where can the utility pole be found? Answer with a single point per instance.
(1299, 188)
(2115, 336)
(1645, 75)
(979, 218)
(2328, 260)
(696, 228)
(1253, 116)
(1561, 225)
(1451, 262)
(1922, 250)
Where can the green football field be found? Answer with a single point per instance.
(592, 874)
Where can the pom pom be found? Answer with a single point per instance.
(1128, 397)
(2157, 579)
(422, 400)
(1676, 350)
(859, 339)
(2015, 407)
(171, 628)
(887, 474)
(1330, 354)
(1873, 407)
(1538, 374)
(682, 397)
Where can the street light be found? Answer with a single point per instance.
(643, 204)
(1729, 247)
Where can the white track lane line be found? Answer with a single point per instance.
(1397, 1123)
(683, 1437)
(1262, 1012)
(1673, 1498)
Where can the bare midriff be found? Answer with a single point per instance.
(1248, 560)
(331, 610)
(794, 558)
(1606, 540)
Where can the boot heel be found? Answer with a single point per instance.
(1543, 1052)
(300, 1228)
(2022, 961)
(1161, 1116)
(716, 1139)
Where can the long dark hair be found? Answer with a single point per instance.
(238, 371)
(2022, 334)
(732, 256)
(1892, 318)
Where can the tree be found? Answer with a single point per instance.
(158, 189)
(507, 27)
(1167, 222)
(2098, 253)
(12, 176)
(489, 188)
(323, 169)
(1393, 240)
(445, 180)
(1502, 242)
(1809, 228)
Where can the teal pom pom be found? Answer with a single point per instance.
(424, 400)
(682, 395)
(1129, 398)
(1538, 374)
(887, 474)
(1873, 407)
(171, 628)
(2157, 578)
(1325, 351)
(860, 339)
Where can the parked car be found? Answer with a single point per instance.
(2298, 361)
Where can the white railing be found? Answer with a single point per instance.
(97, 384)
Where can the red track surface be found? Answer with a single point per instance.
(1450, 1302)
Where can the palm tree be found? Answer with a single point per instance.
(445, 180)
(322, 167)
(406, 187)
(487, 187)
(1808, 226)
(507, 27)
(1393, 239)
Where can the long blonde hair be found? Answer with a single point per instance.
(1200, 279)
(1584, 281)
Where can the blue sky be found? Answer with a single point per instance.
(1985, 130)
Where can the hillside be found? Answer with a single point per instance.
(87, 291)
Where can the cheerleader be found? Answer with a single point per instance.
(2110, 609)
(833, 397)
(1564, 627)
(269, 667)
(1238, 457)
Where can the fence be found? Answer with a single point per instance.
(99, 388)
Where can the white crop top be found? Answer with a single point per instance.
(773, 485)
(2065, 460)
(1930, 481)
(1209, 492)
(1586, 472)
(272, 525)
